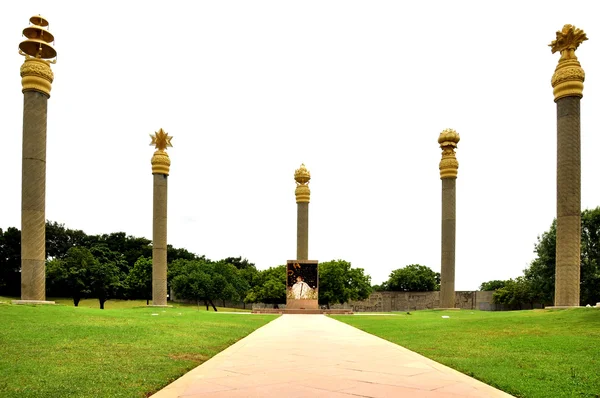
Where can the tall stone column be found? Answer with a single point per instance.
(567, 82)
(36, 80)
(448, 141)
(302, 177)
(160, 170)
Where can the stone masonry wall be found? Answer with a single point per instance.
(412, 301)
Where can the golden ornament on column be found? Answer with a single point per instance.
(302, 177)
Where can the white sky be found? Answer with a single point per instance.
(358, 91)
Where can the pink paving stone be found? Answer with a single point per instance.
(316, 356)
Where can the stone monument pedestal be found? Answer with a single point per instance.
(34, 302)
(292, 304)
(302, 285)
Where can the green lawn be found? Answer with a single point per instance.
(63, 351)
(540, 353)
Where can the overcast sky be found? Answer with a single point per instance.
(358, 91)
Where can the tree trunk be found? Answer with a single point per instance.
(147, 301)
(102, 301)
(206, 304)
(211, 303)
(76, 301)
(223, 300)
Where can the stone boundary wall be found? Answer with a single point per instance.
(413, 301)
(401, 301)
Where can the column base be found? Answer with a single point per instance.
(563, 307)
(447, 309)
(159, 305)
(34, 302)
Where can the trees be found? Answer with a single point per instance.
(193, 283)
(340, 283)
(235, 286)
(515, 292)
(413, 278)
(105, 280)
(60, 239)
(270, 286)
(542, 270)
(70, 276)
(492, 285)
(139, 279)
(195, 280)
(205, 280)
(10, 261)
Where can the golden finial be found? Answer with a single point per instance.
(448, 141)
(36, 74)
(38, 40)
(302, 177)
(160, 160)
(567, 40)
(568, 77)
(161, 140)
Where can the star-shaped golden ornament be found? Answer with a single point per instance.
(161, 140)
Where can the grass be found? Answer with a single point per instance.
(120, 304)
(64, 351)
(539, 353)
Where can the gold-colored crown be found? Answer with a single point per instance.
(568, 77)
(302, 177)
(448, 141)
(160, 160)
(36, 74)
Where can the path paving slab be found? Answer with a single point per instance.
(316, 356)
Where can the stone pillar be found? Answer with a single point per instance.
(448, 141)
(567, 82)
(302, 177)
(36, 80)
(160, 170)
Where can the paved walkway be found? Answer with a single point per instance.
(316, 356)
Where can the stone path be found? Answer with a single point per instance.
(316, 356)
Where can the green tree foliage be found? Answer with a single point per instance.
(10, 261)
(139, 279)
(492, 285)
(193, 280)
(515, 293)
(106, 277)
(60, 239)
(413, 278)
(71, 276)
(235, 286)
(239, 262)
(269, 287)
(204, 280)
(542, 270)
(340, 283)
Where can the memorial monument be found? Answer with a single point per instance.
(160, 170)
(302, 274)
(36, 80)
(448, 141)
(567, 83)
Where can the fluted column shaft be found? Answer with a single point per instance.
(33, 197)
(447, 292)
(568, 201)
(159, 241)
